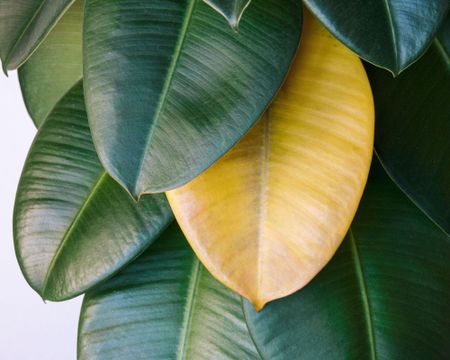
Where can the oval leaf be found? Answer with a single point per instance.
(271, 213)
(413, 128)
(169, 89)
(165, 305)
(23, 25)
(231, 10)
(388, 33)
(74, 226)
(55, 67)
(385, 294)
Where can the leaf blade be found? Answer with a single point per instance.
(196, 99)
(70, 218)
(55, 67)
(174, 309)
(391, 34)
(413, 129)
(282, 196)
(403, 256)
(23, 25)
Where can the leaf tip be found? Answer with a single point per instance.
(233, 20)
(258, 304)
(232, 17)
(234, 23)
(137, 197)
(43, 298)
(5, 69)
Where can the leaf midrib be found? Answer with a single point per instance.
(22, 33)
(394, 37)
(252, 337)
(103, 175)
(50, 111)
(262, 205)
(364, 294)
(409, 196)
(442, 49)
(189, 308)
(169, 78)
(240, 14)
(25, 29)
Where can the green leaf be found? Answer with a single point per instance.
(444, 36)
(413, 128)
(169, 89)
(391, 34)
(74, 226)
(23, 25)
(165, 305)
(55, 66)
(231, 10)
(385, 294)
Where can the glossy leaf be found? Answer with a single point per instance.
(55, 66)
(170, 89)
(389, 33)
(231, 10)
(271, 213)
(23, 25)
(413, 128)
(385, 294)
(165, 305)
(74, 226)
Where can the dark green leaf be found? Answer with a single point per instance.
(55, 66)
(74, 226)
(169, 88)
(23, 25)
(385, 294)
(231, 10)
(444, 36)
(389, 33)
(413, 128)
(165, 305)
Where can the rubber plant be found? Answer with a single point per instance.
(238, 179)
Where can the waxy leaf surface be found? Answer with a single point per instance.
(389, 33)
(231, 10)
(413, 128)
(384, 295)
(55, 67)
(74, 225)
(23, 25)
(169, 89)
(268, 216)
(165, 305)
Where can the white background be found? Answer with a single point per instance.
(29, 329)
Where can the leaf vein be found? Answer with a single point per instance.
(195, 279)
(364, 295)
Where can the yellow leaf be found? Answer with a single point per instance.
(269, 215)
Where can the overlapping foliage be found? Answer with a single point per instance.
(257, 117)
